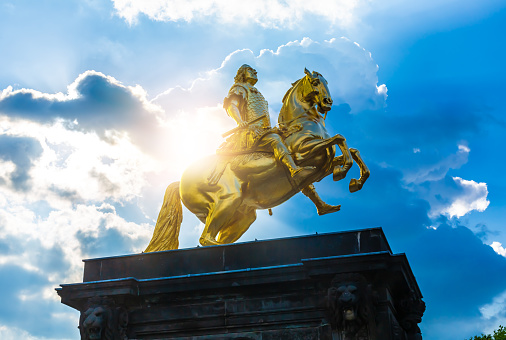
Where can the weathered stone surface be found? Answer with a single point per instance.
(277, 289)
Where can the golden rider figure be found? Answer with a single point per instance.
(245, 104)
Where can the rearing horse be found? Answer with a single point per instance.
(256, 180)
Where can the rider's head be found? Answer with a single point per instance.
(246, 74)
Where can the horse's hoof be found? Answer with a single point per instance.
(355, 185)
(208, 241)
(338, 175)
(327, 209)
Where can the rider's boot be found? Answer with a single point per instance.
(295, 170)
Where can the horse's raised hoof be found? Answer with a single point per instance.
(208, 241)
(355, 185)
(338, 174)
(327, 209)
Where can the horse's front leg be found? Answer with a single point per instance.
(340, 171)
(356, 184)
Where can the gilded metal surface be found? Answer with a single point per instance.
(259, 167)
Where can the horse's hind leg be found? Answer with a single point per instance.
(321, 207)
(219, 216)
(238, 225)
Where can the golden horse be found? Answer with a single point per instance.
(256, 180)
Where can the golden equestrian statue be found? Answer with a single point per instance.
(259, 167)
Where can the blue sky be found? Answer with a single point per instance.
(103, 104)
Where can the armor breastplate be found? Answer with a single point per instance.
(256, 106)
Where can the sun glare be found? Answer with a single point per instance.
(190, 139)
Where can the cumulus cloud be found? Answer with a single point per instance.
(57, 190)
(267, 13)
(17, 155)
(15, 333)
(494, 313)
(453, 196)
(473, 197)
(39, 253)
(349, 69)
(93, 102)
(67, 167)
(447, 195)
(280, 14)
(498, 248)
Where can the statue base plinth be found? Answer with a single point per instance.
(332, 286)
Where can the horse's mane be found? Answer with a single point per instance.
(291, 88)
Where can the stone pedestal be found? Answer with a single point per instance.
(345, 286)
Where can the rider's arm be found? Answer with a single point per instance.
(234, 112)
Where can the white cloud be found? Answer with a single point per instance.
(73, 90)
(498, 248)
(473, 197)
(453, 196)
(349, 69)
(449, 196)
(93, 102)
(6, 170)
(464, 148)
(62, 216)
(13, 333)
(75, 166)
(267, 13)
(494, 313)
(71, 234)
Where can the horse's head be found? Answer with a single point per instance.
(315, 91)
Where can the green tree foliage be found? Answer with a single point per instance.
(499, 334)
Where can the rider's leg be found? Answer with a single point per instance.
(322, 207)
(282, 154)
(238, 225)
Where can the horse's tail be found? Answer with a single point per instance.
(166, 234)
